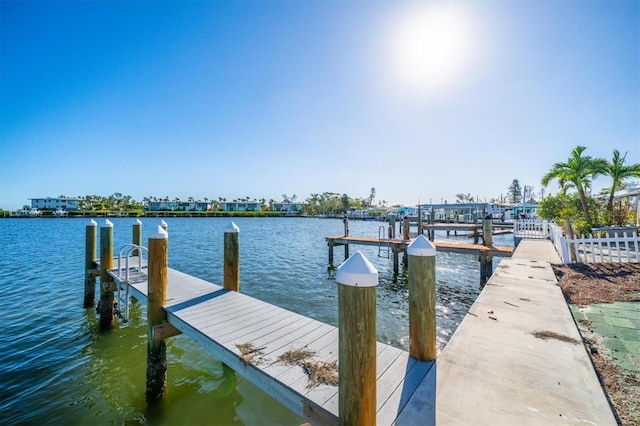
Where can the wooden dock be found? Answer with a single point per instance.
(401, 245)
(224, 321)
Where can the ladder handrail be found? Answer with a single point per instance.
(129, 252)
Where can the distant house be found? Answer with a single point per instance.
(287, 207)
(162, 205)
(178, 205)
(240, 206)
(407, 211)
(51, 203)
(525, 210)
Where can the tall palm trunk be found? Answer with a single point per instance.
(583, 201)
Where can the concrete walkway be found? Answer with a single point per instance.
(517, 357)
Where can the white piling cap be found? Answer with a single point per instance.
(161, 233)
(231, 228)
(92, 223)
(421, 246)
(163, 223)
(107, 224)
(357, 271)
(138, 222)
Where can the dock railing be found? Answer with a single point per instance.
(531, 228)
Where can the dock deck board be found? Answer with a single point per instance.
(442, 246)
(219, 320)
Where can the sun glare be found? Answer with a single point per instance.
(428, 48)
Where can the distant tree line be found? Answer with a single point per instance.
(324, 203)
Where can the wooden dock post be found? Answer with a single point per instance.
(232, 257)
(157, 296)
(345, 221)
(357, 280)
(487, 231)
(486, 268)
(90, 255)
(432, 221)
(396, 260)
(422, 299)
(330, 244)
(476, 237)
(136, 237)
(486, 260)
(392, 225)
(405, 229)
(107, 286)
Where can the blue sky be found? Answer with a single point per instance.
(256, 99)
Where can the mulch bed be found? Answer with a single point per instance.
(585, 284)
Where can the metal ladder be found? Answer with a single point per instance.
(127, 274)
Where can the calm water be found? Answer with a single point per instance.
(57, 367)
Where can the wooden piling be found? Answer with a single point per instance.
(357, 280)
(486, 260)
(422, 299)
(157, 296)
(330, 244)
(476, 236)
(396, 260)
(392, 225)
(487, 231)
(486, 268)
(232, 257)
(136, 237)
(91, 254)
(405, 229)
(107, 286)
(345, 221)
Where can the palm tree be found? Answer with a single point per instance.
(577, 172)
(618, 172)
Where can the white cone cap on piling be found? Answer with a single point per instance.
(159, 234)
(138, 222)
(357, 271)
(107, 224)
(231, 228)
(92, 223)
(421, 246)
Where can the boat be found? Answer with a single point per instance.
(27, 212)
(60, 213)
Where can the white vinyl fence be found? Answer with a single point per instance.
(621, 247)
(531, 228)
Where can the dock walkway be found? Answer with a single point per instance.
(221, 321)
(401, 245)
(517, 357)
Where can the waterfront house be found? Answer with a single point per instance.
(287, 207)
(240, 206)
(51, 203)
(178, 205)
